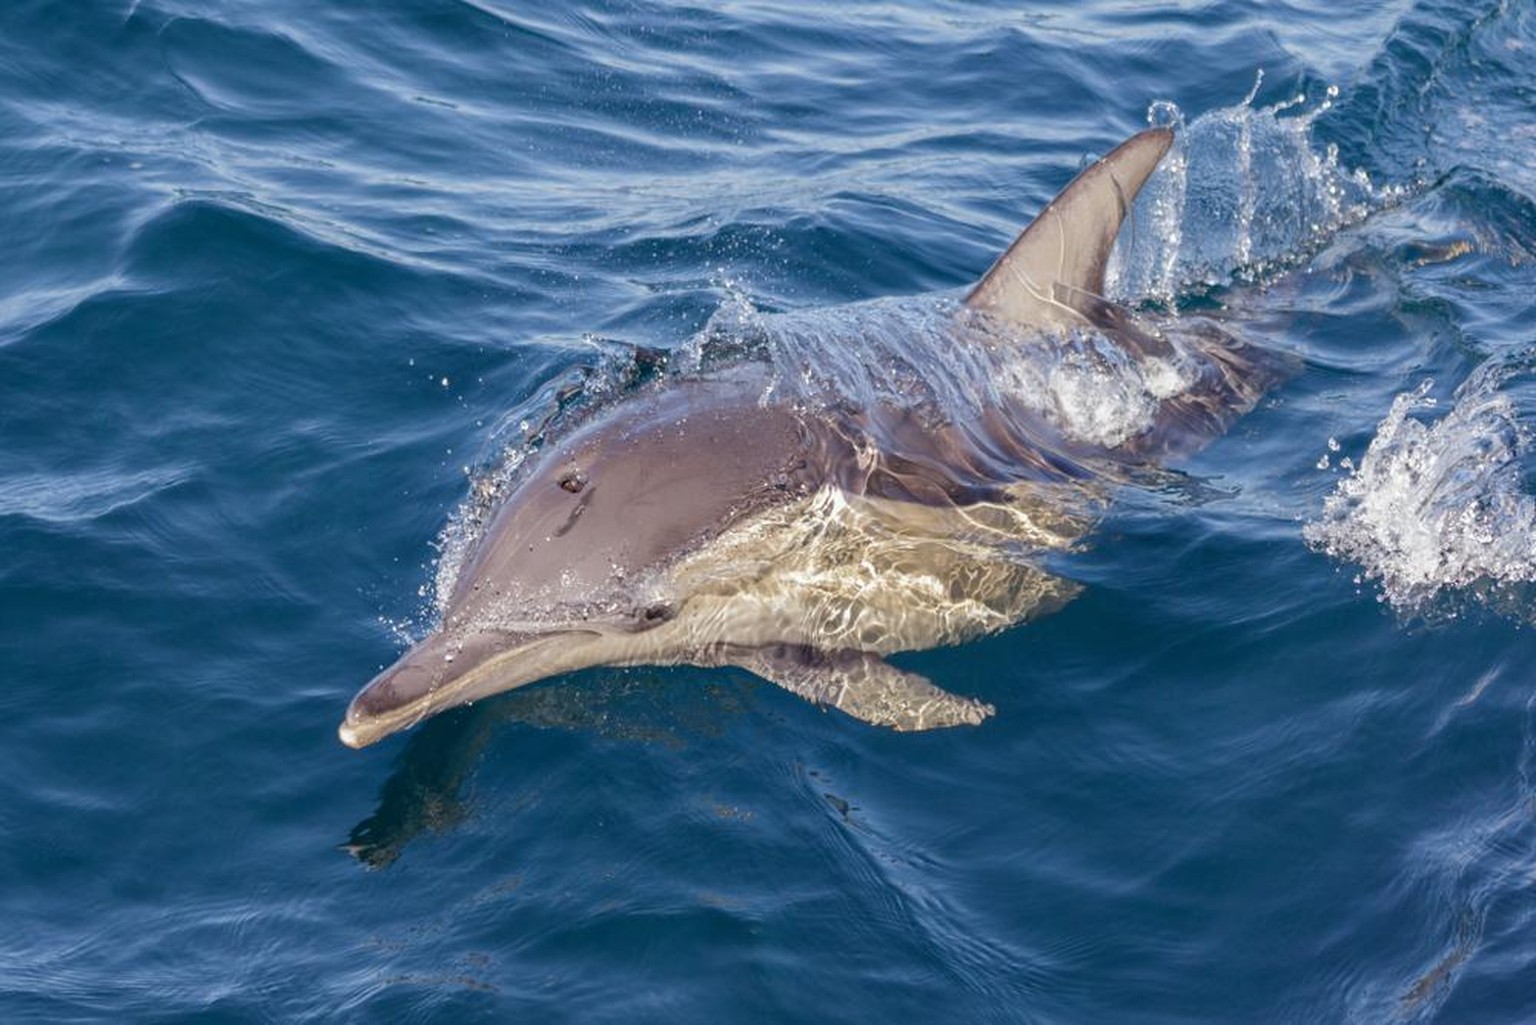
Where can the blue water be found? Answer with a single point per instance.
(282, 280)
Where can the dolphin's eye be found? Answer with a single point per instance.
(657, 612)
(573, 481)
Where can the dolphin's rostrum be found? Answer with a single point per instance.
(724, 518)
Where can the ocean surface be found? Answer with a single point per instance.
(285, 284)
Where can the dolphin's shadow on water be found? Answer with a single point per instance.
(425, 791)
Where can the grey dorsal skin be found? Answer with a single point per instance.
(701, 521)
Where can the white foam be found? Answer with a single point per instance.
(1096, 404)
(1437, 505)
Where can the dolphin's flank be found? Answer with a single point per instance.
(723, 519)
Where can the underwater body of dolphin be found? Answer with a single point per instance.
(719, 518)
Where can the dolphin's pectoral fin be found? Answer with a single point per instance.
(862, 684)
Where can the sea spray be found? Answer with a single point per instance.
(1435, 505)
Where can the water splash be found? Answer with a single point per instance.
(1438, 506)
(734, 331)
(1245, 193)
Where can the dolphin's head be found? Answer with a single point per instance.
(573, 570)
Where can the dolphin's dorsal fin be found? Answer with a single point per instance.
(1053, 273)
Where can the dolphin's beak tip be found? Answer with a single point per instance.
(349, 736)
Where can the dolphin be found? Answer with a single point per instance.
(722, 518)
